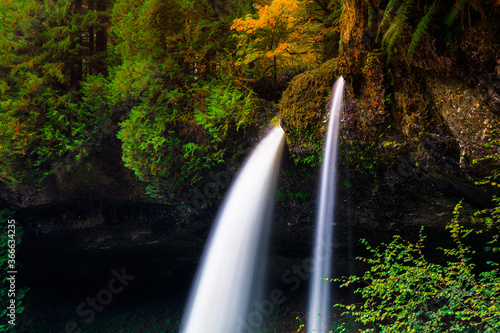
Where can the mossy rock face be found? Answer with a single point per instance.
(303, 111)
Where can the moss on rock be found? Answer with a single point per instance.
(303, 111)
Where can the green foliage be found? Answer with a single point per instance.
(150, 141)
(396, 27)
(167, 147)
(44, 131)
(362, 158)
(405, 292)
(397, 15)
(295, 195)
(493, 159)
(186, 105)
(49, 113)
(223, 102)
(5, 216)
(223, 109)
(303, 112)
(422, 27)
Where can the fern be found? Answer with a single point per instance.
(392, 33)
(422, 27)
(455, 10)
(385, 17)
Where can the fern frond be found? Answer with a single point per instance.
(455, 10)
(422, 27)
(385, 17)
(394, 30)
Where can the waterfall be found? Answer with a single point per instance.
(222, 290)
(319, 293)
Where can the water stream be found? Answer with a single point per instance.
(225, 282)
(319, 307)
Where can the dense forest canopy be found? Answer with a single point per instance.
(180, 83)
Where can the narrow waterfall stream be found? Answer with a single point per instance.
(319, 308)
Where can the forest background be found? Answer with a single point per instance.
(176, 88)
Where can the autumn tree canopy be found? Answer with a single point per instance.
(284, 33)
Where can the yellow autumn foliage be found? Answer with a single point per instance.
(281, 34)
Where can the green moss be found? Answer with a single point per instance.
(302, 111)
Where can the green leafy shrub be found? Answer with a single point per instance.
(168, 146)
(223, 110)
(150, 142)
(44, 131)
(404, 292)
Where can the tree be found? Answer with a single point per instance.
(282, 32)
(177, 78)
(51, 107)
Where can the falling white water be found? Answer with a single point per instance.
(319, 294)
(222, 291)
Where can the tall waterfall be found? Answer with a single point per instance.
(319, 293)
(222, 291)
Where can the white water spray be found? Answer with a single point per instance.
(319, 293)
(222, 290)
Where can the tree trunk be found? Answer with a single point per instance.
(91, 46)
(76, 62)
(101, 38)
(275, 70)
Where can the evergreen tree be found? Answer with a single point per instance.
(175, 56)
(45, 81)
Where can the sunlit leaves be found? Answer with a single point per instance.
(280, 31)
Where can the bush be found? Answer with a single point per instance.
(45, 131)
(170, 144)
(404, 292)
